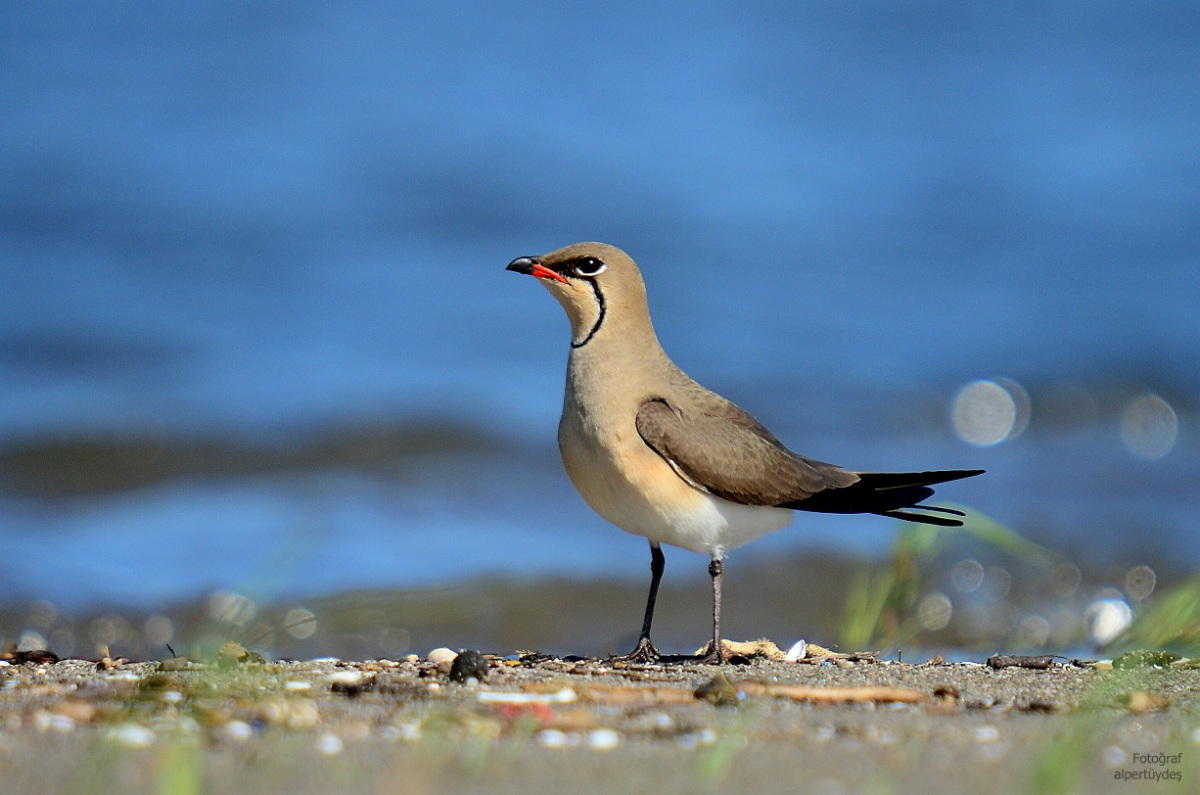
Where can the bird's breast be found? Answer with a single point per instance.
(627, 483)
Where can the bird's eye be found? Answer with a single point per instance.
(589, 266)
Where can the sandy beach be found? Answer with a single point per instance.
(543, 724)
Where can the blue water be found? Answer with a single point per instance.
(249, 222)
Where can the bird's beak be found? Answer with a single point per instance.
(531, 267)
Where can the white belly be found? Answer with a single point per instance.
(716, 525)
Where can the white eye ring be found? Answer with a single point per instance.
(596, 267)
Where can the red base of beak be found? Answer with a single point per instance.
(542, 272)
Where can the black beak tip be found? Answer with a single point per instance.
(522, 265)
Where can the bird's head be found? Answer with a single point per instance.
(592, 281)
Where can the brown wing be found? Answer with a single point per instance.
(724, 451)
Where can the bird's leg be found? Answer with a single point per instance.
(645, 651)
(716, 653)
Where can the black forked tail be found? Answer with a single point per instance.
(888, 494)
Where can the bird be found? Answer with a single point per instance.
(658, 455)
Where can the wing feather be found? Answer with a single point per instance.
(728, 453)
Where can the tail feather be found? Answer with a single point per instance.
(888, 494)
(923, 518)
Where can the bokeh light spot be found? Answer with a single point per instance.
(996, 582)
(1107, 619)
(1140, 582)
(232, 608)
(1149, 426)
(1066, 579)
(394, 642)
(109, 630)
(300, 623)
(935, 611)
(43, 614)
(1033, 632)
(158, 630)
(986, 412)
(967, 575)
(31, 640)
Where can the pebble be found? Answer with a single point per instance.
(46, 721)
(295, 684)
(443, 658)
(986, 734)
(237, 730)
(824, 733)
(188, 725)
(329, 744)
(469, 665)
(344, 677)
(402, 731)
(131, 735)
(78, 710)
(695, 740)
(564, 696)
(603, 739)
(553, 738)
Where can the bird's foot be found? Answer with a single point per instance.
(643, 652)
(711, 655)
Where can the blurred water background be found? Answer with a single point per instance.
(258, 347)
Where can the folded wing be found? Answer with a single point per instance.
(722, 450)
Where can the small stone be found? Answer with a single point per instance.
(44, 721)
(236, 730)
(404, 731)
(443, 658)
(296, 685)
(131, 735)
(553, 738)
(469, 664)
(303, 714)
(693, 740)
(441, 653)
(719, 692)
(986, 734)
(1141, 701)
(603, 739)
(329, 744)
(344, 678)
(234, 653)
(77, 709)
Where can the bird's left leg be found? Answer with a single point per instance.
(715, 653)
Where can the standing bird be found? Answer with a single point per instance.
(662, 457)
